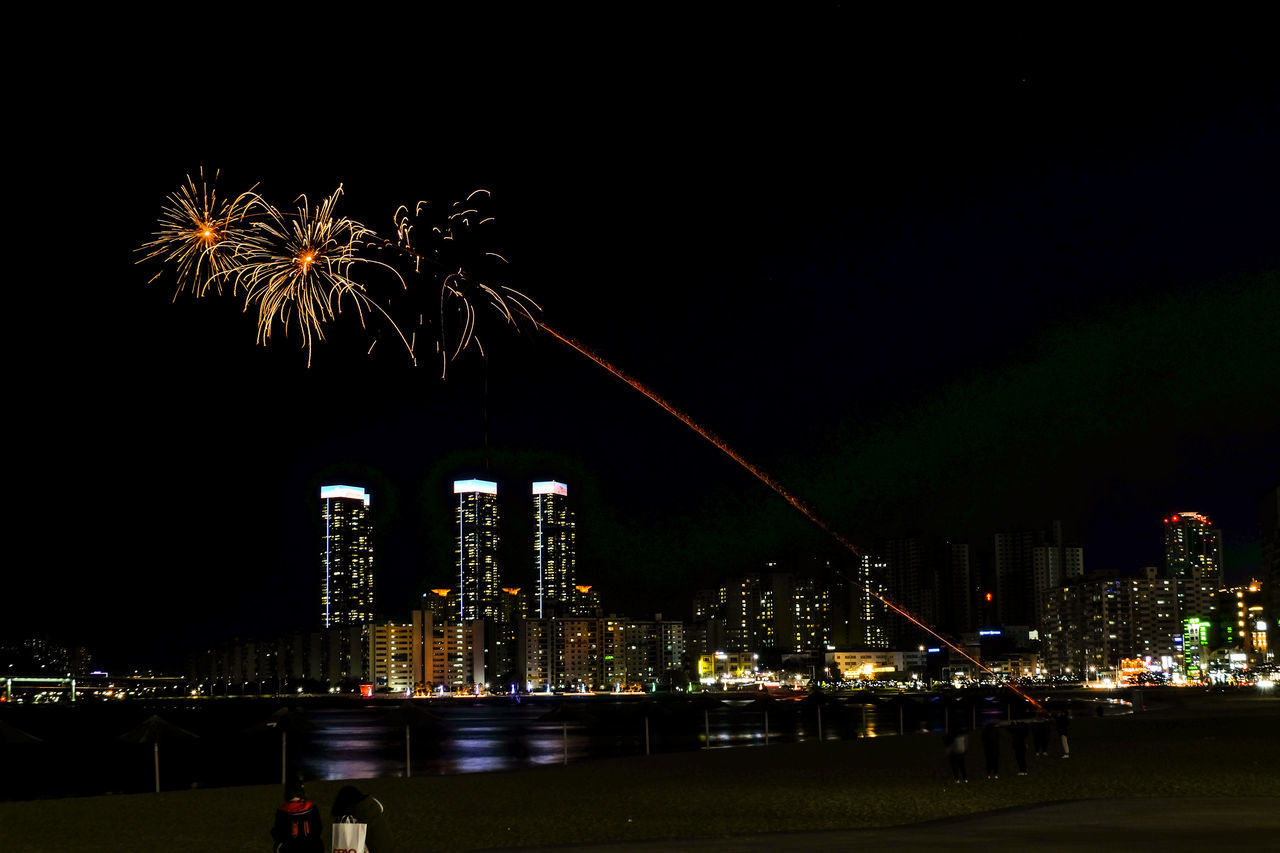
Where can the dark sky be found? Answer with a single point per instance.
(945, 281)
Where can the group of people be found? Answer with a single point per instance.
(298, 827)
(1036, 730)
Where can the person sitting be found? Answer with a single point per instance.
(364, 808)
(297, 827)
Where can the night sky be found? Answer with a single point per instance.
(932, 284)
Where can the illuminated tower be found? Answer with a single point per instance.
(1192, 547)
(1193, 555)
(346, 596)
(554, 548)
(476, 548)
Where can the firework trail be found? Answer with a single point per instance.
(297, 269)
(773, 484)
(197, 231)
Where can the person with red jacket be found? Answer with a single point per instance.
(297, 828)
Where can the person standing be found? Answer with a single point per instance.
(991, 750)
(956, 746)
(1063, 722)
(1018, 736)
(364, 808)
(297, 828)
(1040, 732)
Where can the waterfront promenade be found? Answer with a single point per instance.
(1128, 776)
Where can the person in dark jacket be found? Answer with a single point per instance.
(1040, 734)
(956, 746)
(1018, 736)
(366, 809)
(1063, 722)
(991, 750)
(297, 828)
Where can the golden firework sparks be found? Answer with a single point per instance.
(463, 292)
(297, 269)
(196, 234)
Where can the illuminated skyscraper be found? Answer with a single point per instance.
(1192, 547)
(1193, 555)
(554, 548)
(346, 596)
(1269, 518)
(476, 549)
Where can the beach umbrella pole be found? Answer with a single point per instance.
(706, 725)
(155, 751)
(766, 728)
(646, 735)
(284, 740)
(564, 729)
(408, 756)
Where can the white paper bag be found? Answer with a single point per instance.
(348, 836)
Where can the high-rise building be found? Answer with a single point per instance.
(391, 649)
(1093, 623)
(476, 549)
(1193, 555)
(857, 618)
(1192, 547)
(559, 654)
(554, 548)
(586, 601)
(504, 638)
(1269, 524)
(346, 596)
(740, 612)
(1053, 566)
(1026, 564)
(442, 603)
(447, 656)
(960, 599)
(791, 613)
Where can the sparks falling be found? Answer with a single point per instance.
(452, 246)
(197, 232)
(296, 268)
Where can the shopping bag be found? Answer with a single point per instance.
(348, 836)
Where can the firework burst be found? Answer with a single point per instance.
(197, 232)
(452, 246)
(297, 269)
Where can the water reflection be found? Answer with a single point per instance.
(352, 743)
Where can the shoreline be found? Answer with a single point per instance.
(1184, 750)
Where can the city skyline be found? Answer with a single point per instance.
(929, 289)
(1019, 565)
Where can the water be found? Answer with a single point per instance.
(354, 739)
